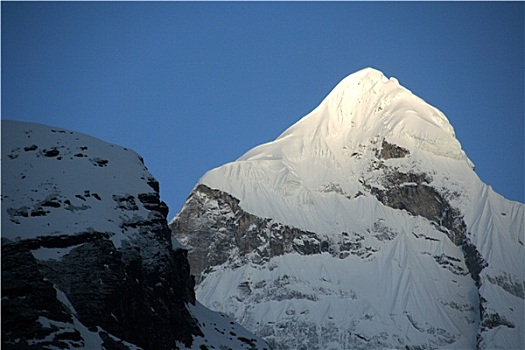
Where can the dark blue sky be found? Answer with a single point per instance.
(193, 85)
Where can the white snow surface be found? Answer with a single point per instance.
(72, 189)
(314, 176)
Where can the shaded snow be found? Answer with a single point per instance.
(47, 167)
(220, 332)
(52, 253)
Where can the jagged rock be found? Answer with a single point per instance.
(212, 223)
(389, 150)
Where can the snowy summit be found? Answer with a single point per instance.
(363, 225)
(334, 145)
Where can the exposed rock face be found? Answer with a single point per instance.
(389, 150)
(212, 224)
(413, 193)
(112, 295)
(26, 296)
(90, 263)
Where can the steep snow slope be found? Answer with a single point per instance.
(335, 145)
(87, 257)
(363, 225)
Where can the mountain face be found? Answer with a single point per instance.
(362, 226)
(88, 260)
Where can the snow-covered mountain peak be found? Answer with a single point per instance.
(367, 74)
(362, 226)
(366, 106)
(366, 125)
